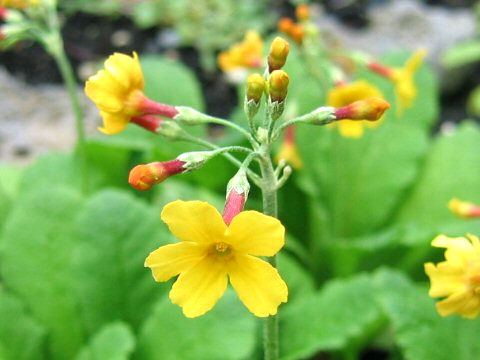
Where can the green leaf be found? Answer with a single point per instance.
(452, 169)
(328, 319)
(36, 249)
(115, 234)
(299, 281)
(462, 54)
(114, 341)
(51, 170)
(21, 338)
(361, 181)
(227, 332)
(420, 332)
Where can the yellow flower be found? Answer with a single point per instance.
(345, 94)
(289, 153)
(247, 54)
(117, 91)
(210, 252)
(457, 278)
(405, 89)
(288, 150)
(464, 209)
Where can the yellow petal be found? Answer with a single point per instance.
(113, 123)
(103, 91)
(453, 303)
(445, 279)
(289, 153)
(198, 289)
(414, 62)
(351, 128)
(120, 65)
(258, 284)
(195, 221)
(171, 260)
(257, 234)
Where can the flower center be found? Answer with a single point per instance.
(222, 248)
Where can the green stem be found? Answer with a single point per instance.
(53, 43)
(254, 177)
(215, 120)
(269, 194)
(71, 84)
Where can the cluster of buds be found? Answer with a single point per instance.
(274, 83)
(296, 30)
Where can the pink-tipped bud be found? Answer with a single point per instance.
(233, 206)
(3, 13)
(143, 177)
(237, 194)
(464, 209)
(370, 109)
(148, 122)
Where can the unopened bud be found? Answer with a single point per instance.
(255, 87)
(285, 25)
(237, 193)
(190, 116)
(143, 177)
(370, 109)
(278, 85)
(464, 209)
(297, 33)
(302, 12)
(278, 54)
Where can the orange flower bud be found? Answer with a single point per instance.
(278, 54)
(464, 209)
(143, 177)
(302, 12)
(370, 109)
(285, 25)
(278, 85)
(255, 87)
(297, 33)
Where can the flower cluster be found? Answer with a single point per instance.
(216, 248)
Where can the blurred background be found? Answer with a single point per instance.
(34, 100)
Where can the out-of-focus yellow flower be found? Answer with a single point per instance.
(246, 54)
(18, 4)
(403, 78)
(288, 150)
(210, 252)
(117, 91)
(457, 278)
(345, 94)
(464, 209)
